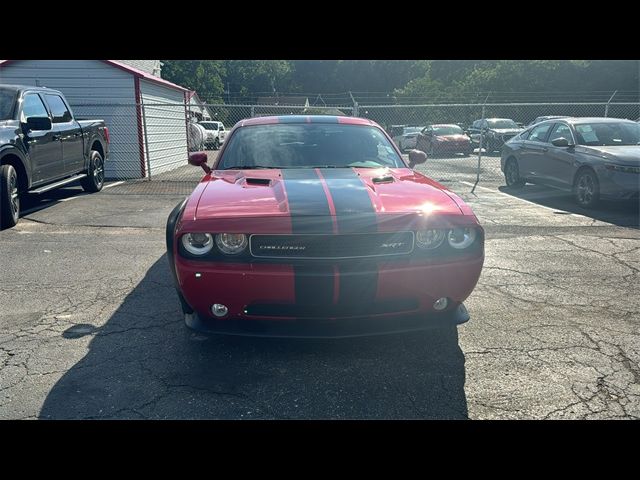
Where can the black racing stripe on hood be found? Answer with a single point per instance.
(308, 204)
(354, 211)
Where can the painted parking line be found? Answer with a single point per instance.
(526, 201)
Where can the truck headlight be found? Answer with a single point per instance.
(197, 243)
(461, 238)
(429, 239)
(231, 243)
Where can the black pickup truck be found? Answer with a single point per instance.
(43, 146)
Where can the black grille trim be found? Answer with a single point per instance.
(330, 244)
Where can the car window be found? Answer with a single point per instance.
(309, 146)
(59, 110)
(539, 133)
(560, 130)
(524, 135)
(32, 106)
(608, 134)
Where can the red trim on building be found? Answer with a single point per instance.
(143, 164)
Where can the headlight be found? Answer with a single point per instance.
(231, 243)
(621, 168)
(429, 239)
(461, 238)
(197, 243)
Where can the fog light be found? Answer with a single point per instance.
(219, 310)
(441, 303)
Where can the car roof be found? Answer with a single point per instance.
(21, 88)
(582, 120)
(302, 119)
(444, 125)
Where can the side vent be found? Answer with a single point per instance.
(258, 181)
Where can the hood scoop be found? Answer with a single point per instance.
(383, 179)
(257, 181)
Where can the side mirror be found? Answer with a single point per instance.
(38, 123)
(560, 142)
(416, 157)
(199, 159)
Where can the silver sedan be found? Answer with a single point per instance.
(593, 158)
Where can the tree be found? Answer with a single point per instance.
(203, 76)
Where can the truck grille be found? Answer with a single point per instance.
(320, 246)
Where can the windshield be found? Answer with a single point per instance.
(502, 124)
(409, 130)
(309, 146)
(7, 103)
(608, 134)
(209, 125)
(448, 130)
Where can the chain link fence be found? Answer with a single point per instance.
(150, 142)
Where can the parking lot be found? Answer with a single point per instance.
(90, 325)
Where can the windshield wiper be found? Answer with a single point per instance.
(248, 167)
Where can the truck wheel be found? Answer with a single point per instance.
(216, 144)
(95, 176)
(9, 197)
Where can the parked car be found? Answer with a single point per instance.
(305, 219)
(444, 138)
(406, 139)
(494, 132)
(43, 146)
(214, 134)
(542, 119)
(591, 157)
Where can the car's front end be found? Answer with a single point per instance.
(452, 144)
(323, 252)
(618, 170)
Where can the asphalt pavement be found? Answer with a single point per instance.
(90, 325)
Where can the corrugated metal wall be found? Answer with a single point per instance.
(96, 90)
(166, 129)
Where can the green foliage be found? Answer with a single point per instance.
(203, 76)
(402, 81)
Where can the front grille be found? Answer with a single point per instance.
(321, 246)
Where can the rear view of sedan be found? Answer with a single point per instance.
(593, 158)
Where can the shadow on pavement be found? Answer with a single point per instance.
(622, 213)
(144, 363)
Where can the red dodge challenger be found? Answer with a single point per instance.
(315, 226)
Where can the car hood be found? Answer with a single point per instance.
(623, 154)
(452, 138)
(321, 192)
(502, 131)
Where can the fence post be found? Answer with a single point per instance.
(480, 146)
(146, 140)
(253, 111)
(606, 108)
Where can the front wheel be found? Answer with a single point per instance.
(94, 180)
(512, 174)
(9, 197)
(587, 189)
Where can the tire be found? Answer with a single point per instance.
(9, 197)
(431, 151)
(95, 174)
(586, 188)
(488, 146)
(512, 174)
(216, 144)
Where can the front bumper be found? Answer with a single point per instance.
(619, 185)
(328, 328)
(263, 298)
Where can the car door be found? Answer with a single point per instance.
(69, 131)
(533, 151)
(43, 146)
(558, 163)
